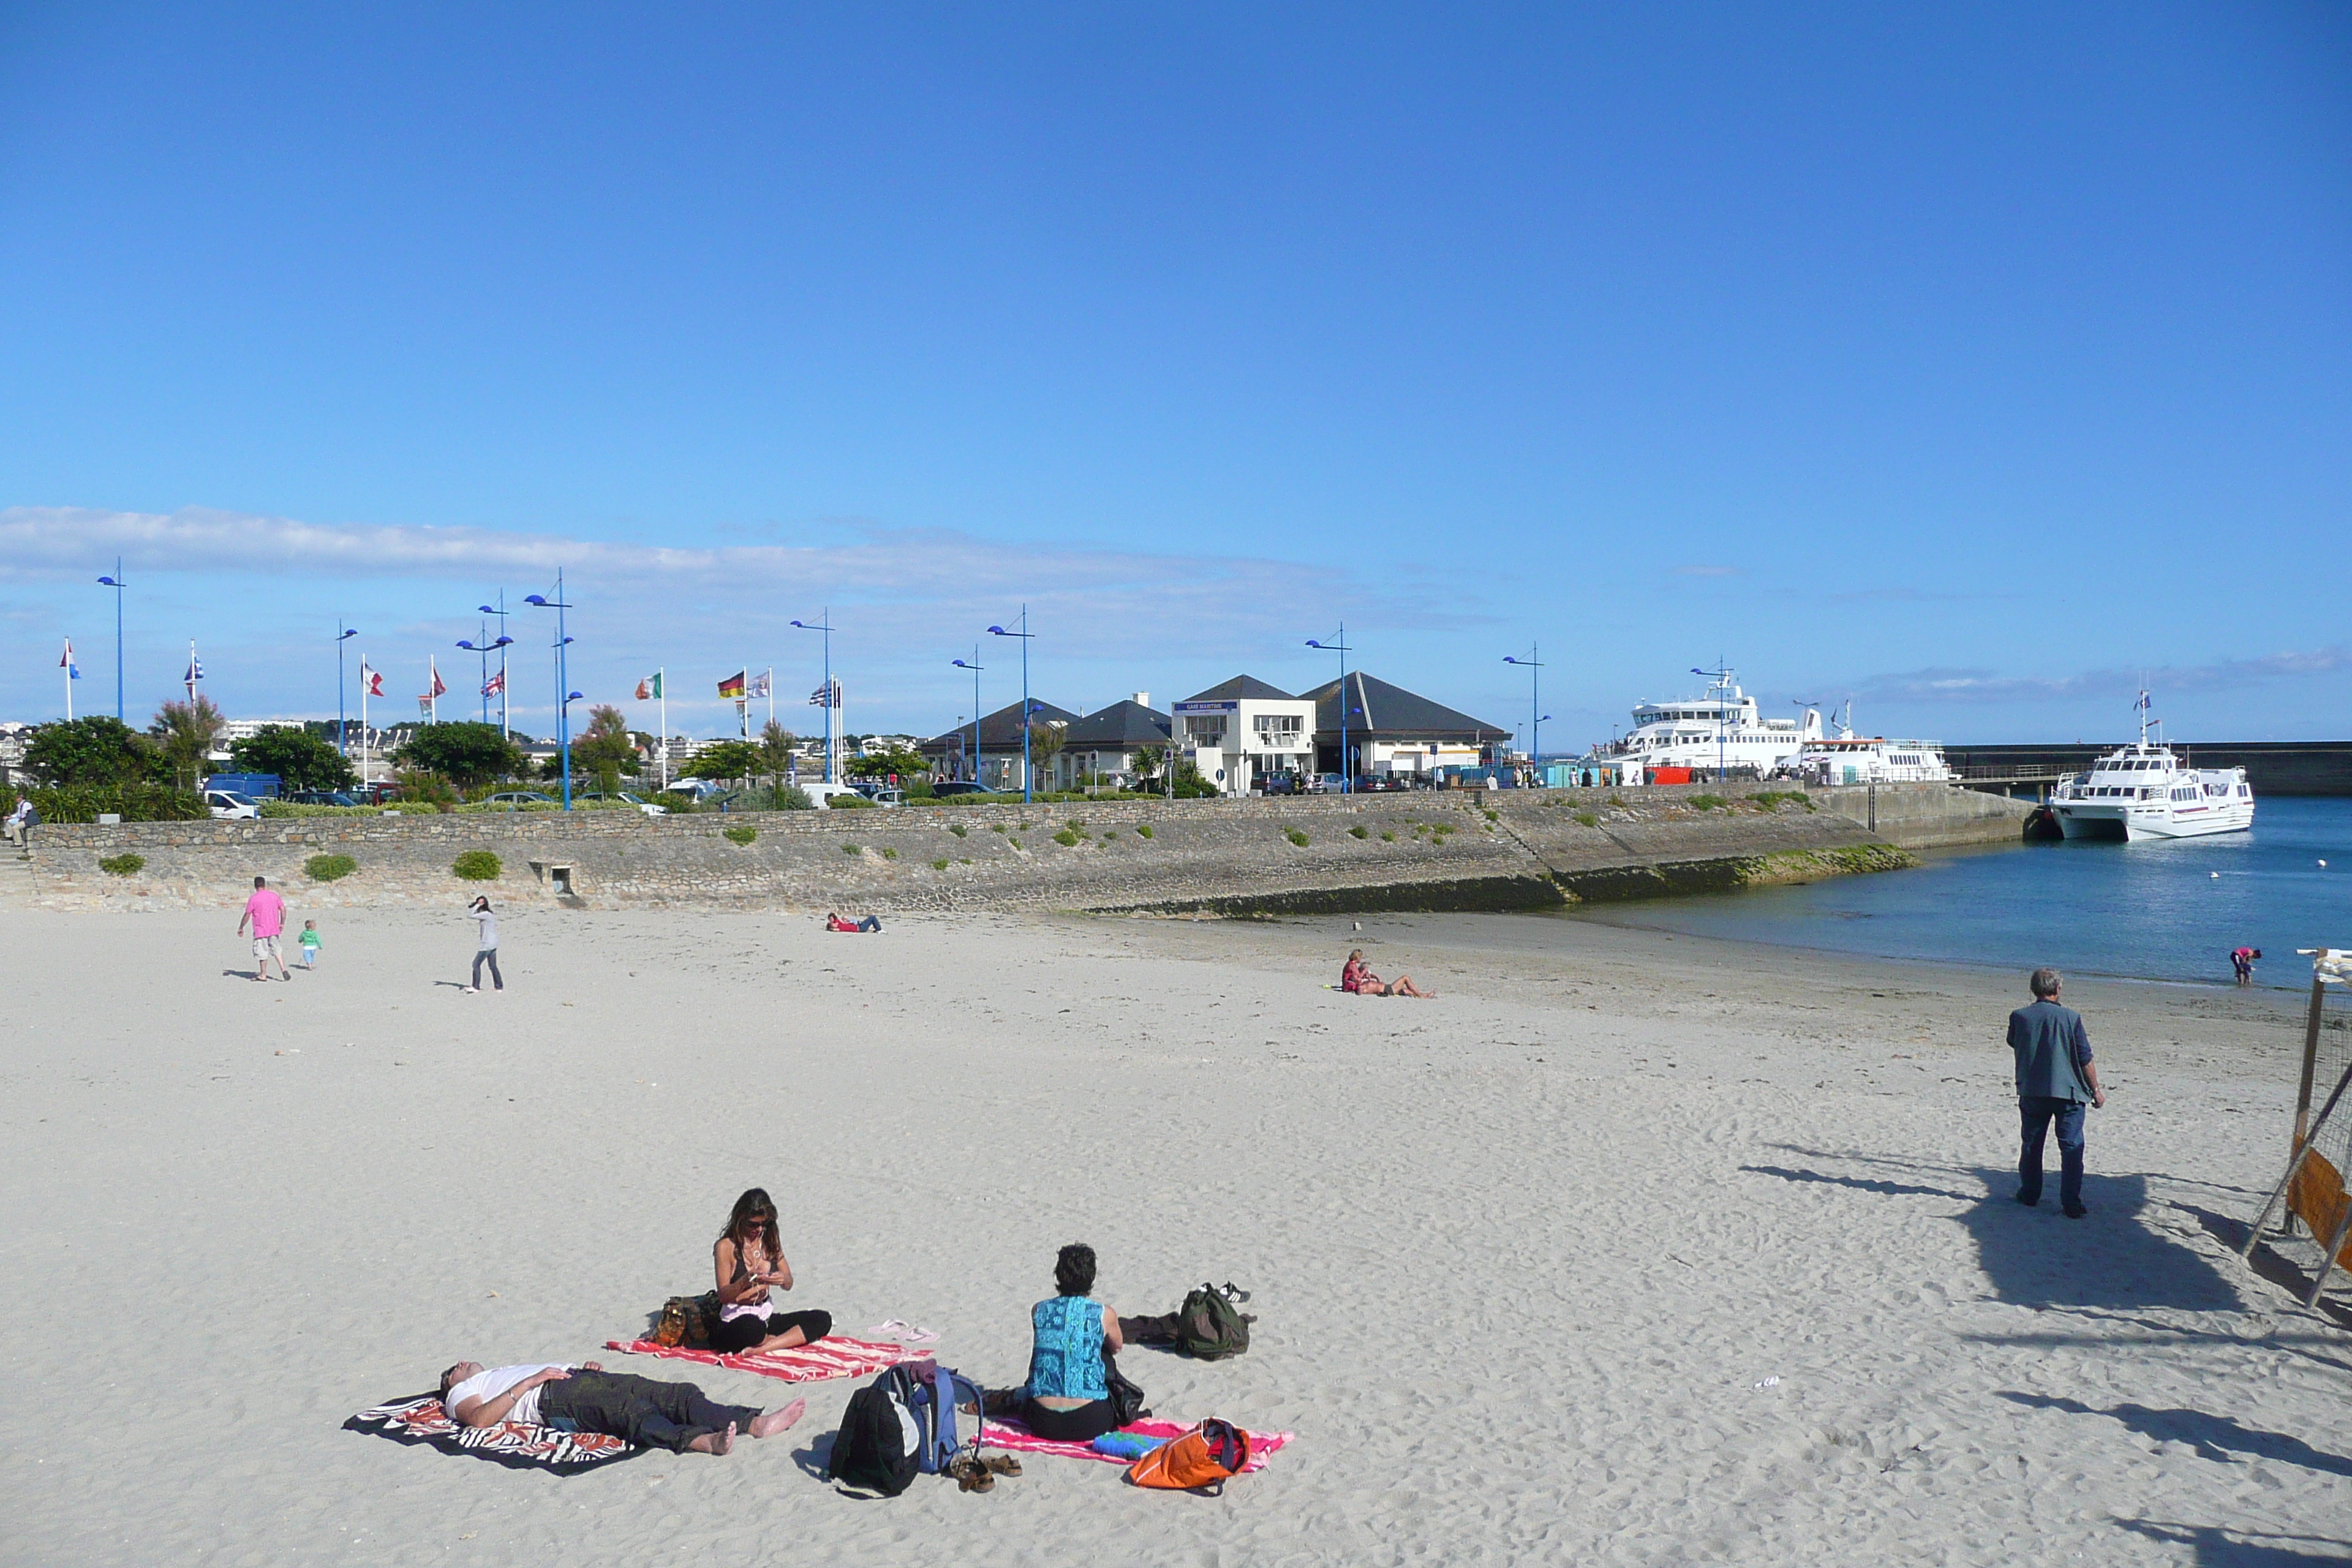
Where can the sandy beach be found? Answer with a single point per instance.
(1626, 1248)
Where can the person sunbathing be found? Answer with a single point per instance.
(586, 1398)
(864, 922)
(748, 1259)
(1067, 1396)
(1356, 975)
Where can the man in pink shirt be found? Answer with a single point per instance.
(267, 910)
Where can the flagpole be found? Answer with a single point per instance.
(192, 672)
(661, 689)
(366, 680)
(771, 694)
(69, 675)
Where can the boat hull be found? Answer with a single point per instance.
(2121, 822)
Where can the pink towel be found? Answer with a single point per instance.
(830, 1357)
(1014, 1435)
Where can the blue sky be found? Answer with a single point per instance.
(1969, 361)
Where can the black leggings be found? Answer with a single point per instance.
(741, 1334)
(489, 955)
(638, 1409)
(1083, 1425)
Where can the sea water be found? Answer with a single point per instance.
(2162, 909)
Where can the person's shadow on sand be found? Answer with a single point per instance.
(2215, 1549)
(2215, 1437)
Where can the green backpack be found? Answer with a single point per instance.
(1211, 1327)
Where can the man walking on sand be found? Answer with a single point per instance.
(2055, 1076)
(267, 910)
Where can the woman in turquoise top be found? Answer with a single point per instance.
(1067, 1396)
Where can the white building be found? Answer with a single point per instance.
(1242, 731)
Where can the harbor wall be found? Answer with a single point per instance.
(2273, 767)
(1500, 849)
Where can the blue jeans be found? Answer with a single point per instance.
(2035, 1114)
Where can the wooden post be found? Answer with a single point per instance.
(2310, 1060)
(2278, 1193)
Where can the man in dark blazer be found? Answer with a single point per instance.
(2055, 1078)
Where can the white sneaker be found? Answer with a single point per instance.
(468, 990)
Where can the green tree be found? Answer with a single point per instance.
(897, 760)
(606, 748)
(1047, 737)
(469, 755)
(300, 758)
(776, 750)
(185, 735)
(93, 751)
(726, 760)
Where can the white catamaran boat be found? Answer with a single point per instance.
(1721, 729)
(2143, 792)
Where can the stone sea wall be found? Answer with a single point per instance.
(1457, 850)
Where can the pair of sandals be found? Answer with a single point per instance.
(977, 1472)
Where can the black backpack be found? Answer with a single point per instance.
(1211, 1327)
(879, 1445)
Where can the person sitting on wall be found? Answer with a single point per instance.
(1357, 975)
(867, 923)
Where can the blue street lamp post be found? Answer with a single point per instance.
(1534, 719)
(117, 584)
(342, 730)
(825, 625)
(1338, 645)
(562, 679)
(975, 667)
(1025, 634)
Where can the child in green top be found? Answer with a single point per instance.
(309, 941)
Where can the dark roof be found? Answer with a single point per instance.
(1381, 712)
(999, 731)
(1124, 724)
(1240, 688)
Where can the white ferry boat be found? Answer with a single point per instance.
(1721, 729)
(1846, 758)
(2143, 792)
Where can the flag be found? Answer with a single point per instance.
(195, 669)
(734, 686)
(649, 688)
(371, 681)
(817, 699)
(760, 686)
(73, 670)
(495, 684)
(440, 688)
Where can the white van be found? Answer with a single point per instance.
(228, 806)
(824, 794)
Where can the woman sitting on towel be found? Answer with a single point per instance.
(1356, 975)
(1067, 1396)
(750, 1261)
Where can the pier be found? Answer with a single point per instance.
(2273, 767)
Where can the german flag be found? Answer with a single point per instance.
(734, 686)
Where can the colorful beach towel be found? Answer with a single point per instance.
(830, 1357)
(515, 1443)
(1012, 1434)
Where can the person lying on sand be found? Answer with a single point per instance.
(865, 922)
(749, 1258)
(1358, 977)
(587, 1398)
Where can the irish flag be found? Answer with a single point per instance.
(649, 688)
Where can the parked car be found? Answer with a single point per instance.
(698, 790)
(1279, 783)
(1323, 784)
(824, 795)
(253, 787)
(625, 797)
(228, 806)
(323, 797)
(888, 797)
(959, 786)
(516, 798)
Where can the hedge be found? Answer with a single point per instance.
(476, 865)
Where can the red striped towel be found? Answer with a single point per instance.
(830, 1357)
(1012, 1435)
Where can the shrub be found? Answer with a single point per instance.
(889, 854)
(996, 828)
(476, 865)
(1296, 836)
(1015, 842)
(1587, 819)
(330, 868)
(1772, 799)
(132, 801)
(1708, 803)
(1143, 830)
(850, 803)
(851, 849)
(958, 828)
(122, 865)
(1109, 837)
(790, 797)
(1360, 831)
(739, 834)
(1491, 816)
(1387, 836)
(1065, 838)
(428, 789)
(1616, 800)
(938, 865)
(1076, 825)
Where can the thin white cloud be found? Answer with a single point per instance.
(1985, 686)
